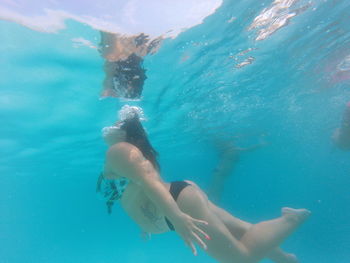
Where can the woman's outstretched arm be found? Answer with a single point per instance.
(126, 160)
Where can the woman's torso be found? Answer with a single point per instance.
(142, 210)
(138, 205)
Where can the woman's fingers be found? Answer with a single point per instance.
(192, 246)
(202, 222)
(194, 233)
(207, 237)
(200, 241)
(197, 228)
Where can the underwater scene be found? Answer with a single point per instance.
(175, 131)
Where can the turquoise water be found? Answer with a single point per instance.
(293, 93)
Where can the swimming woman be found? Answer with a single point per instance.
(158, 207)
(229, 156)
(341, 136)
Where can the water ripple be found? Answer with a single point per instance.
(275, 17)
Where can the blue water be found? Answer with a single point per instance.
(51, 150)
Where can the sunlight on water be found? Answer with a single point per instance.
(126, 17)
(277, 16)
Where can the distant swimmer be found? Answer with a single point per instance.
(341, 136)
(124, 72)
(229, 155)
(181, 206)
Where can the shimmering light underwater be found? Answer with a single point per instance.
(196, 92)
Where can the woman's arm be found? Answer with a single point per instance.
(126, 160)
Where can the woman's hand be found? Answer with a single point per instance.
(190, 231)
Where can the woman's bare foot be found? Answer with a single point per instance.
(291, 258)
(296, 215)
(279, 256)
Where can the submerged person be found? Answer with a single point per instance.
(229, 155)
(341, 136)
(124, 72)
(158, 207)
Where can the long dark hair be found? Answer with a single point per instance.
(137, 136)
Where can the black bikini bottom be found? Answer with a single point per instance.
(175, 189)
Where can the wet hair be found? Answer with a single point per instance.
(136, 135)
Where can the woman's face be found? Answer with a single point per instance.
(113, 134)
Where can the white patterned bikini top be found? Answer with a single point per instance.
(111, 189)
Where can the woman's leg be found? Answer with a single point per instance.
(254, 244)
(223, 246)
(266, 235)
(238, 228)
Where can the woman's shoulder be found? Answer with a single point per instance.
(122, 147)
(124, 150)
(127, 161)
